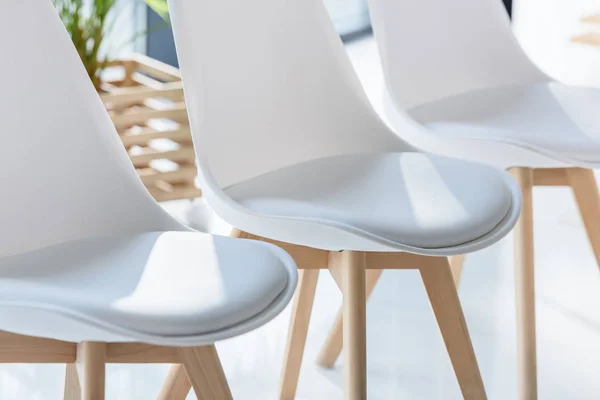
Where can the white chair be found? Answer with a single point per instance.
(458, 84)
(290, 151)
(92, 270)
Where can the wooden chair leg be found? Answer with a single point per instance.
(525, 290)
(585, 189)
(333, 345)
(72, 388)
(351, 269)
(442, 293)
(456, 265)
(177, 386)
(205, 372)
(302, 308)
(91, 369)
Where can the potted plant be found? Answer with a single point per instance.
(90, 23)
(144, 97)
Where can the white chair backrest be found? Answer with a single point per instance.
(268, 84)
(65, 174)
(432, 49)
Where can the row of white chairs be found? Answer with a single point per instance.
(323, 173)
(290, 152)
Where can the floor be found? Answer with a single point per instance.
(406, 355)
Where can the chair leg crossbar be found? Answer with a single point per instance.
(197, 367)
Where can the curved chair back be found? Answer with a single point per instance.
(431, 49)
(268, 84)
(65, 174)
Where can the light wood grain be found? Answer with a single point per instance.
(184, 154)
(456, 265)
(143, 136)
(332, 348)
(26, 349)
(333, 345)
(140, 116)
(132, 95)
(148, 110)
(91, 369)
(591, 38)
(177, 385)
(550, 177)
(304, 257)
(205, 372)
(155, 68)
(72, 390)
(592, 19)
(310, 258)
(396, 260)
(525, 290)
(439, 284)
(181, 174)
(238, 234)
(177, 192)
(301, 311)
(140, 353)
(584, 186)
(352, 270)
(128, 68)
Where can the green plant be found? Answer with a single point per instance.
(89, 23)
(160, 7)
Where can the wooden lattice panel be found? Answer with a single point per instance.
(144, 98)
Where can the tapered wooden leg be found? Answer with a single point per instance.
(302, 308)
(177, 386)
(91, 369)
(351, 269)
(72, 388)
(439, 284)
(525, 290)
(333, 344)
(205, 372)
(456, 265)
(585, 189)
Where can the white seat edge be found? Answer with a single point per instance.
(351, 238)
(527, 155)
(94, 329)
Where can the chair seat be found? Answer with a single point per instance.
(401, 201)
(553, 119)
(159, 287)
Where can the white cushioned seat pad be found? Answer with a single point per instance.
(158, 283)
(550, 117)
(410, 199)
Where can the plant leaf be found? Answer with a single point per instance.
(89, 25)
(160, 7)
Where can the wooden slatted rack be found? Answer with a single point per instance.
(590, 38)
(144, 98)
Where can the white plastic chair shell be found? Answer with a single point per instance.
(458, 84)
(290, 149)
(86, 254)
